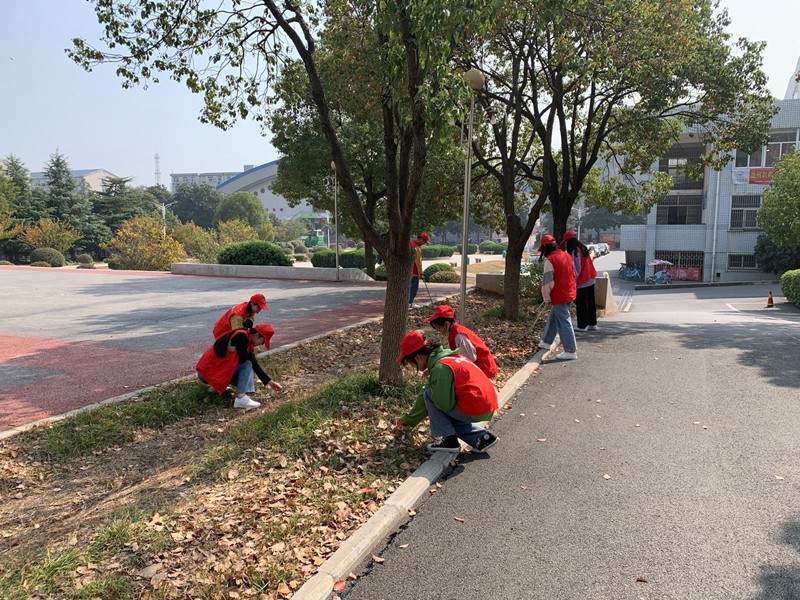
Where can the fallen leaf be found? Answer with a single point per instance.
(411, 512)
(641, 580)
(149, 571)
(524, 487)
(508, 406)
(403, 546)
(541, 440)
(779, 477)
(606, 476)
(284, 590)
(705, 426)
(352, 576)
(459, 519)
(339, 585)
(378, 559)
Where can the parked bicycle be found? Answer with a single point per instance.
(631, 272)
(659, 277)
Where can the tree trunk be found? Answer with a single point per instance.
(395, 318)
(511, 279)
(369, 256)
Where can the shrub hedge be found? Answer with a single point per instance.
(84, 259)
(489, 247)
(324, 259)
(445, 277)
(40, 263)
(51, 256)
(435, 268)
(353, 259)
(253, 252)
(790, 286)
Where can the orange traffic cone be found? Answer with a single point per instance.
(770, 303)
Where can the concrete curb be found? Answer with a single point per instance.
(672, 286)
(395, 510)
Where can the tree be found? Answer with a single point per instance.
(197, 242)
(779, 214)
(50, 234)
(600, 218)
(775, 259)
(291, 229)
(196, 203)
(402, 49)
(118, 202)
(140, 245)
(27, 205)
(8, 194)
(242, 206)
(574, 82)
(235, 231)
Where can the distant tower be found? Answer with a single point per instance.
(793, 89)
(158, 170)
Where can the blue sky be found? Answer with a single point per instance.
(48, 103)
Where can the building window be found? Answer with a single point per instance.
(742, 262)
(680, 210)
(743, 211)
(780, 144)
(678, 160)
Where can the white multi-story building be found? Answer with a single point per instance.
(87, 179)
(707, 228)
(212, 179)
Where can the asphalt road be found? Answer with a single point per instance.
(70, 337)
(663, 463)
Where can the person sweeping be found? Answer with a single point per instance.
(558, 292)
(468, 343)
(231, 361)
(585, 274)
(458, 396)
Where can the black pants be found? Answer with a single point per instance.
(585, 307)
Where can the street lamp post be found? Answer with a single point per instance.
(336, 215)
(164, 208)
(476, 80)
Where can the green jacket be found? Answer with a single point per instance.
(442, 385)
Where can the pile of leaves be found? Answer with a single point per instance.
(222, 503)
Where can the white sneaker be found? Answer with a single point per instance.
(544, 346)
(592, 328)
(567, 356)
(580, 329)
(413, 306)
(245, 402)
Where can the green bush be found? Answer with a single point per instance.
(445, 277)
(435, 268)
(85, 259)
(300, 257)
(380, 272)
(441, 250)
(86, 265)
(530, 283)
(253, 252)
(790, 286)
(51, 256)
(360, 246)
(324, 259)
(774, 259)
(6, 263)
(430, 251)
(298, 246)
(354, 259)
(40, 263)
(489, 247)
(471, 249)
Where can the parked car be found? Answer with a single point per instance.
(603, 248)
(594, 251)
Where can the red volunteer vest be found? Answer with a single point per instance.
(475, 394)
(223, 325)
(587, 269)
(484, 358)
(216, 371)
(564, 288)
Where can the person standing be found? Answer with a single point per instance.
(230, 361)
(241, 315)
(466, 341)
(558, 292)
(585, 274)
(416, 270)
(457, 397)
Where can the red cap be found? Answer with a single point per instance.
(266, 331)
(547, 239)
(568, 236)
(443, 311)
(425, 237)
(411, 342)
(259, 300)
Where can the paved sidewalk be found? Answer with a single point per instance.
(660, 464)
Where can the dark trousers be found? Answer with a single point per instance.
(414, 289)
(585, 307)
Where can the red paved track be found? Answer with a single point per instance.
(78, 374)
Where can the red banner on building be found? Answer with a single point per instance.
(686, 273)
(761, 175)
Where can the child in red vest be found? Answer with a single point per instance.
(585, 274)
(458, 396)
(468, 343)
(241, 315)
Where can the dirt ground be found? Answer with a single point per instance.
(58, 506)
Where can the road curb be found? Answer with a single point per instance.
(395, 510)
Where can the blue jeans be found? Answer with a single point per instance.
(414, 289)
(453, 422)
(242, 378)
(558, 321)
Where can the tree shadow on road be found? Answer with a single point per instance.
(782, 582)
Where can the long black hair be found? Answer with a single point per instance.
(573, 243)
